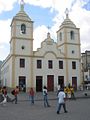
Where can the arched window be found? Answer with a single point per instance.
(72, 35)
(23, 28)
(60, 36)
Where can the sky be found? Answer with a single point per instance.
(45, 14)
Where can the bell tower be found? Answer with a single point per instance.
(68, 41)
(68, 38)
(21, 42)
(21, 48)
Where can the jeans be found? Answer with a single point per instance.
(15, 99)
(46, 101)
(31, 99)
(59, 107)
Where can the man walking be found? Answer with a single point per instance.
(61, 101)
(46, 104)
(15, 93)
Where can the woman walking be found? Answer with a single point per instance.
(31, 95)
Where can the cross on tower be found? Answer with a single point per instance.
(66, 12)
(22, 5)
(22, 1)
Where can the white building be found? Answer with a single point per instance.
(0, 73)
(52, 64)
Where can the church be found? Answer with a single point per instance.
(53, 64)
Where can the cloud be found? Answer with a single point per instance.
(6, 5)
(5, 31)
(4, 50)
(4, 38)
(39, 35)
(41, 3)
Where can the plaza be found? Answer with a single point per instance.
(77, 109)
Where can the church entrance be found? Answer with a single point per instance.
(39, 83)
(61, 81)
(50, 82)
(74, 83)
(22, 83)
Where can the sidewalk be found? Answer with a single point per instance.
(51, 96)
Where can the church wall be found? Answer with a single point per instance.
(29, 29)
(73, 51)
(76, 37)
(6, 74)
(27, 44)
(74, 72)
(44, 71)
(23, 71)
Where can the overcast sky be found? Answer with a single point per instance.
(45, 13)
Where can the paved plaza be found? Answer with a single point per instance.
(77, 110)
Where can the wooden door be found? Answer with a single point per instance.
(22, 83)
(74, 82)
(38, 83)
(50, 82)
(61, 81)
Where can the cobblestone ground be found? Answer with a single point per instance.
(77, 110)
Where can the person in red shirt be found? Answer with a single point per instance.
(4, 91)
(15, 93)
(31, 95)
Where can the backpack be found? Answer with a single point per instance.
(13, 92)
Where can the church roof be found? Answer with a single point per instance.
(22, 14)
(67, 22)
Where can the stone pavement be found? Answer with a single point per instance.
(77, 109)
(51, 95)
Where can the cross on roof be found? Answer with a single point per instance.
(22, 5)
(66, 12)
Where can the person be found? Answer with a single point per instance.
(58, 88)
(15, 93)
(46, 104)
(4, 91)
(72, 93)
(0, 90)
(61, 101)
(4, 101)
(69, 92)
(66, 91)
(31, 95)
(4, 96)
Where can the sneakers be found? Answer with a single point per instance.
(57, 112)
(48, 106)
(66, 112)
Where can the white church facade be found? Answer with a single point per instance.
(52, 64)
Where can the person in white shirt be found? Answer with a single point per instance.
(61, 101)
(46, 104)
(4, 101)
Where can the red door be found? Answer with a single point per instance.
(50, 82)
